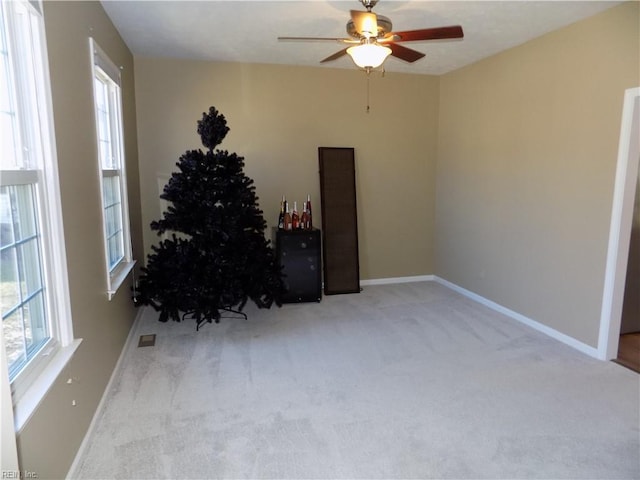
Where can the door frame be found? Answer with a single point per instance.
(620, 230)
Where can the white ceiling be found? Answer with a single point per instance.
(247, 31)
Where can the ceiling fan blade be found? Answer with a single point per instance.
(335, 56)
(366, 23)
(438, 33)
(318, 39)
(404, 53)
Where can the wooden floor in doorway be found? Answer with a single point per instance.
(629, 351)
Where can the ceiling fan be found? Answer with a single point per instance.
(373, 41)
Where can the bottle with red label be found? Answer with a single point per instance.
(287, 217)
(304, 218)
(295, 218)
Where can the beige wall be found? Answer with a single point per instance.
(48, 443)
(526, 162)
(278, 117)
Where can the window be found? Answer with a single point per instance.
(34, 296)
(109, 136)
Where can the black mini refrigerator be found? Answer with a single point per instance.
(298, 252)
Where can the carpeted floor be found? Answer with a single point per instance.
(399, 381)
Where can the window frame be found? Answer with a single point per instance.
(104, 70)
(29, 69)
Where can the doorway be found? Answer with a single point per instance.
(620, 231)
(629, 346)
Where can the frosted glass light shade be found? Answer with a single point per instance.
(369, 55)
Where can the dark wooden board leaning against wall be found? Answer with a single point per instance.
(339, 220)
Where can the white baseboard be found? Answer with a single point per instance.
(566, 339)
(83, 446)
(389, 280)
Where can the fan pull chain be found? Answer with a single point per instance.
(368, 78)
(368, 107)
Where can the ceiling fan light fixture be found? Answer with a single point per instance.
(369, 55)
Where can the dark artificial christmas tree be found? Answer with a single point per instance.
(217, 257)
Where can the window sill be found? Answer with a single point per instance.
(119, 277)
(28, 403)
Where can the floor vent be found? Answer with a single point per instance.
(147, 340)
